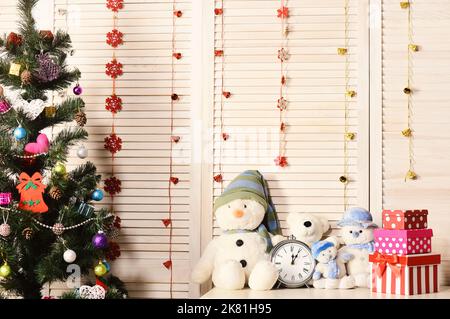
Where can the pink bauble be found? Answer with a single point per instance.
(5, 230)
(4, 106)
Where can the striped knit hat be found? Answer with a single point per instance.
(251, 185)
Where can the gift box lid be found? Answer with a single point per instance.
(423, 212)
(402, 232)
(406, 260)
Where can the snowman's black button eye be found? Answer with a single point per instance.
(243, 263)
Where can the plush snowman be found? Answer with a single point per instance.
(357, 234)
(250, 227)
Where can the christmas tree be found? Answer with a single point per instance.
(49, 221)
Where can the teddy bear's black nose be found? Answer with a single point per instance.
(307, 224)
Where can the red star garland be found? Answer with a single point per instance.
(174, 180)
(113, 104)
(113, 143)
(218, 178)
(177, 55)
(283, 12)
(281, 161)
(113, 186)
(167, 222)
(114, 69)
(114, 38)
(114, 5)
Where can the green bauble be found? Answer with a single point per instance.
(60, 169)
(100, 270)
(5, 270)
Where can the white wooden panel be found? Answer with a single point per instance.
(431, 115)
(315, 114)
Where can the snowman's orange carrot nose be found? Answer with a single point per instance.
(238, 213)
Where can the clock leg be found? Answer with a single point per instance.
(263, 276)
(229, 275)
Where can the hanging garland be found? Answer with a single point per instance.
(348, 95)
(283, 56)
(113, 103)
(408, 131)
(172, 180)
(220, 54)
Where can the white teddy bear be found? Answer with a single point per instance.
(309, 228)
(250, 227)
(357, 234)
(330, 270)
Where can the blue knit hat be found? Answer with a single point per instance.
(320, 246)
(357, 216)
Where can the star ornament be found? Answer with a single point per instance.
(114, 5)
(283, 12)
(114, 69)
(114, 38)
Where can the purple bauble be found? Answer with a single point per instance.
(77, 90)
(100, 241)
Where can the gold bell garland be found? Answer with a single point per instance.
(408, 131)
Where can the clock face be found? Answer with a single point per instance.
(294, 262)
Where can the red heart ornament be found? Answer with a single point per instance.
(225, 136)
(178, 13)
(174, 180)
(177, 55)
(226, 94)
(167, 222)
(175, 139)
(218, 178)
(168, 264)
(218, 11)
(218, 52)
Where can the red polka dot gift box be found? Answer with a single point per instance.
(405, 219)
(405, 275)
(403, 242)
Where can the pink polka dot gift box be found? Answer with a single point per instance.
(405, 219)
(403, 242)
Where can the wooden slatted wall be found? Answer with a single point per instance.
(143, 125)
(315, 113)
(431, 115)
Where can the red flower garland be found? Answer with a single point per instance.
(113, 186)
(113, 104)
(114, 5)
(113, 143)
(114, 69)
(113, 251)
(114, 38)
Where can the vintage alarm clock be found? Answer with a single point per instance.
(294, 261)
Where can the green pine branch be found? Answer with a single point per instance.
(60, 146)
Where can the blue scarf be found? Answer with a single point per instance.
(333, 269)
(370, 246)
(261, 230)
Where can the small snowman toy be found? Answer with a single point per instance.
(250, 227)
(357, 233)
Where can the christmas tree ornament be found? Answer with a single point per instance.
(218, 11)
(107, 265)
(14, 69)
(31, 190)
(407, 90)
(177, 55)
(55, 193)
(114, 38)
(81, 118)
(69, 256)
(47, 70)
(225, 136)
(114, 69)
(4, 106)
(58, 229)
(113, 104)
(5, 198)
(77, 90)
(178, 13)
(32, 108)
(413, 47)
(50, 111)
(113, 143)
(350, 136)
(94, 292)
(175, 138)
(100, 270)
(41, 145)
(100, 240)
(351, 93)
(411, 175)
(174, 97)
(46, 35)
(60, 169)
(342, 51)
(218, 53)
(226, 94)
(113, 186)
(343, 179)
(167, 264)
(82, 152)
(20, 133)
(281, 161)
(5, 270)
(218, 178)
(27, 233)
(85, 209)
(97, 195)
(26, 77)
(174, 180)
(407, 132)
(14, 40)
(404, 4)
(5, 230)
(114, 5)
(283, 12)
